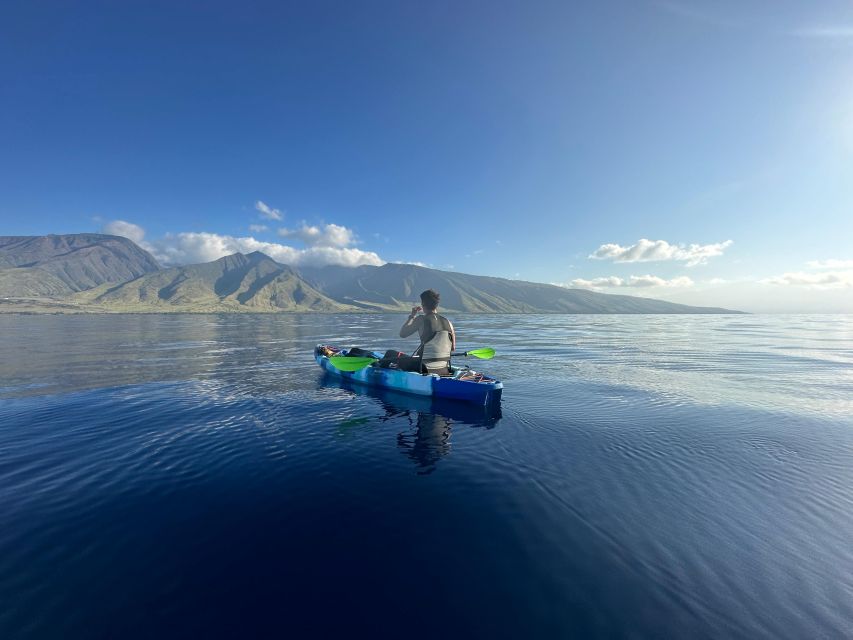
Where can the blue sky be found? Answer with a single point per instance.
(519, 139)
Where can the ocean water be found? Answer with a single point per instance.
(645, 477)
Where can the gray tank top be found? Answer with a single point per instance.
(436, 343)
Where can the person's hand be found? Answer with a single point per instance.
(415, 311)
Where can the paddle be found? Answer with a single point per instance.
(483, 354)
(350, 364)
(345, 363)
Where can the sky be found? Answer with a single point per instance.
(700, 152)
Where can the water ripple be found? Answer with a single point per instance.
(645, 476)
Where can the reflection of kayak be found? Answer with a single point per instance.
(461, 384)
(396, 403)
(427, 422)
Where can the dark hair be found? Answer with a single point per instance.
(429, 299)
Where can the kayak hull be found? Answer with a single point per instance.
(485, 392)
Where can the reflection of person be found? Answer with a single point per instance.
(430, 421)
(431, 442)
(438, 338)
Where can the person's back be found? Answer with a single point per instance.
(438, 338)
(436, 342)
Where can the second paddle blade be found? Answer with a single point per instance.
(343, 363)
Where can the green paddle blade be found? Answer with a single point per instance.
(485, 354)
(350, 364)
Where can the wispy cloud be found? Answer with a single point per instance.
(812, 280)
(329, 235)
(830, 264)
(258, 228)
(639, 282)
(267, 211)
(660, 250)
(825, 274)
(824, 33)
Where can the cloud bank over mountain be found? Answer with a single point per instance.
(331, 245)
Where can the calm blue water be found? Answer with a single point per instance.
(647, 476)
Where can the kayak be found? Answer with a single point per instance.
(461, 384)
(396, 403)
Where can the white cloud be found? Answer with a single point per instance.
(132, 232)
(258, 228)
(655, 281)
(330, 235)
(821, 280)
(660, 250)
(596, 283)
(194, 247)
(647, 281)
(125, 230)
(831, 264)
(267, 211)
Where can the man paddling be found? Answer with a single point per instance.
(438, 338)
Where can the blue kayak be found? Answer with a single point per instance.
(462, 383)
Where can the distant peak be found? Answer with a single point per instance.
(241, 259)
(233, 259)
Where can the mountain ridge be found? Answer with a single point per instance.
(60, 265)
(111, 274)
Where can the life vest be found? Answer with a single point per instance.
(436, 343)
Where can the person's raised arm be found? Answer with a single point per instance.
(411, 323)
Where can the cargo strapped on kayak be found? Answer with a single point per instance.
(358, 352)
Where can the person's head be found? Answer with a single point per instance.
(429, 300)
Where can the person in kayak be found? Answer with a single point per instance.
(438, 338)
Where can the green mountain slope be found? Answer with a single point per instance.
(397, 286)
(58, 265)
(238, 282)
